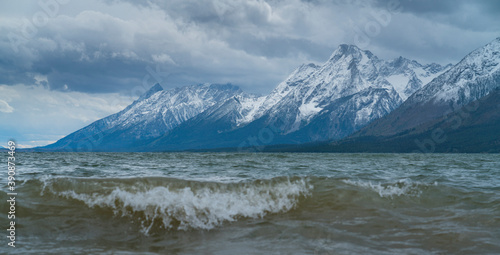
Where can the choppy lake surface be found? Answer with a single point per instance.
(230, 203)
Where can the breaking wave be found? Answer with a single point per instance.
(179, 204)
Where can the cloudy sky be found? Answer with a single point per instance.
(66, 63)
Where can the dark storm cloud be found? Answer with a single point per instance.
(242, 42)
(65, 67)
(112, 46)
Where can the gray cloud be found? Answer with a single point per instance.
(109, 46)
(478, 15)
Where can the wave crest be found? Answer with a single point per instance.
(399, 188)
(203, 206)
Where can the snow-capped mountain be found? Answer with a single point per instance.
(474, 77)
(472, 128)
(154, 114)
(161, 110)
(471, 79)
(349, 71)
(315, 103)
(310, 88)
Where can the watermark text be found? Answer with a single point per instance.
(11, 184)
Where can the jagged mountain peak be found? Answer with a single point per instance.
(488, 56)
(350, 70)
(301, 73)
(350, 51)
(154, 114)
(473, 78)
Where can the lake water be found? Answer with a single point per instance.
(230, 203)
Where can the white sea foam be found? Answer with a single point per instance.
(399, 188)
(200, 208)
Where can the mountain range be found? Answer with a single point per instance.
(352, 98)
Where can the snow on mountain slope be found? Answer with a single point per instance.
(259, 106)
(152, 115)
(352, 79)
(474, 77)
(348, 114)
(249, 107)
(349, 70)
(348, 91)
(408, 76)
(172, 107)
